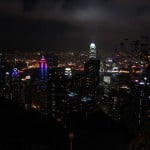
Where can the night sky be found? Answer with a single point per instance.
(72, 24)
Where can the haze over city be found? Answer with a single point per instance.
(66, 25)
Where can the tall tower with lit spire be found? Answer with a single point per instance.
(92, 51)
(91, 70)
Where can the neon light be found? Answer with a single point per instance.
(43, 62)
(42, 65)
(15, 72)
(45, 65)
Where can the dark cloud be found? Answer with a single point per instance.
(47, 22)
(29, 5)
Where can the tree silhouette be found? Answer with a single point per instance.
(135, 51)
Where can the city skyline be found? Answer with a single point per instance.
(65, 25)
(103, 101)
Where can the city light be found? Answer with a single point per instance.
(75, 74)
(15, 72)
(86, 99)
(72, 94)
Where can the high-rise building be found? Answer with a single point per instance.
(40, 92)
(68, 72)
(43, 63)
(43, 72)
(91, 73)
(92, 51)
(91, 69)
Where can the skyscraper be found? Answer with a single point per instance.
(40, 92)
(91, 70)
(92, 51)
(43, 72)
(43, 63)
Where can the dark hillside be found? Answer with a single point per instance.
(19, 128)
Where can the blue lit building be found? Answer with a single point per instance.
(43, 72)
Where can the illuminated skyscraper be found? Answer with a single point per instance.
(40, 94)
(91, 70)
(43, 72)
(43, 63)
(92, 51)
(68, 72)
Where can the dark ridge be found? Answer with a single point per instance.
(98, 131)
(28, 129)
(21, 129)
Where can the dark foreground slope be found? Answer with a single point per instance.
(99, 132)
(20, 129)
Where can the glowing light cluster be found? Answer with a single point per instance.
(86, 99)
(15, 72)
(93, 45)
(72, 94)
(92, 51)
(68, 72)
